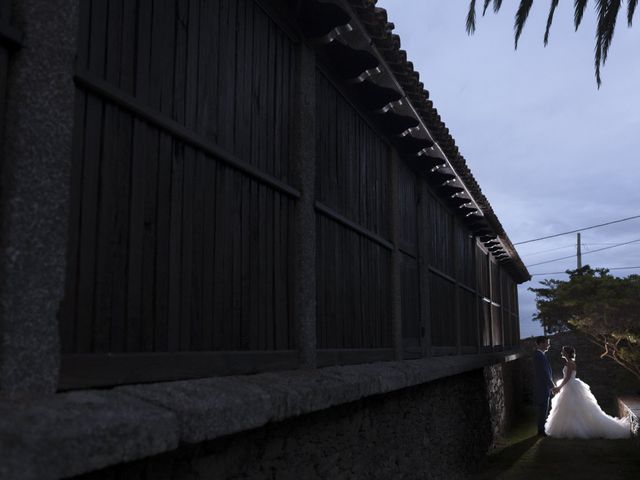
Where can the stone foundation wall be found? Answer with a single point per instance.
(437, 430)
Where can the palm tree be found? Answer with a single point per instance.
(607, 11)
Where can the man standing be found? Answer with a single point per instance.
(543, 382)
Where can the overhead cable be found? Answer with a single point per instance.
(577, 230)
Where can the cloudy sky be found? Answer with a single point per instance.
(551, 152)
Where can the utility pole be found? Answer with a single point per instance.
(579, 252)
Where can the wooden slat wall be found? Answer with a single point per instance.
(442, 311)
(353, 162)
(5, 19)
(353, 308)
(496, 314)
(183, 205)
(441, 251)
(484, 305)
(409, 268)
(353, 284)
(174, 249)
(509, 310)
(469, 325)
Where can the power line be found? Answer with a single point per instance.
(612, 268)
(553, 249)
(578, 230)
(592, 251)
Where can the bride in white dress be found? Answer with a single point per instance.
(575, 412)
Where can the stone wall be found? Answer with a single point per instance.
(607, 379)
(440, 429)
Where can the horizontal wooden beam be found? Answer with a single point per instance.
(327, 357)
(129, 103)
(469, 349)
(10, 35)
(438, 351)
(407, 252)
(108, 369)
(332, 214)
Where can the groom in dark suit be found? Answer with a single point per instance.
(543, 384)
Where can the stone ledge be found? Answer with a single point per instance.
(73, 433)
(630, 406)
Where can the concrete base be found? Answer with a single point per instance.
(421, 403)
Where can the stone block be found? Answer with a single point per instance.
(69, 434)
(208, 408)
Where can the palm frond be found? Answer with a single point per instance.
(609, 26)
(631, 10)
(471, 18)
(601, 10)
(486, 5)
(552, 9)
(521, 18)
(496, 5)
(579, 5)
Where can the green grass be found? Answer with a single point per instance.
(523, 455)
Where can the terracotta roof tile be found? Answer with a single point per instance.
(375, 20)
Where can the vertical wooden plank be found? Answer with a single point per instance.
(269, 270)
(235, 228)
(175, 247)
(197, 253)
(219, 280)
(278, 277)
(69, 306)
(152, 333)
(192, 68)
(167, 189)
(69, 317)
(424, 234)
(262, 267)
(351, 319)
(141, 132)
(178, 108)
(247, 267)
(112, 227)
(209, 287)
(87, 271)
(186, 248)
(279, 102)
(127, 81)
(226, 120)
(243, 66)
(270, 94)
(212, 54)
(182, 26)
(124, 76)
(287, 232)
(320, 280)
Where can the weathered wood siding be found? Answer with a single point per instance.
(354, 255)
(7, 37)
(179, 243)
(184, 199)
(411, 302)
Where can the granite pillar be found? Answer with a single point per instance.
(34, 195)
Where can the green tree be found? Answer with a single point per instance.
(607, 11)
(603, 307)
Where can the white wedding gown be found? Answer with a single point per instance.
(575, 413)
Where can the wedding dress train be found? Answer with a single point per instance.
(575, 413)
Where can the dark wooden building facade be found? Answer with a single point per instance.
(184, 256)
(10, 40)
